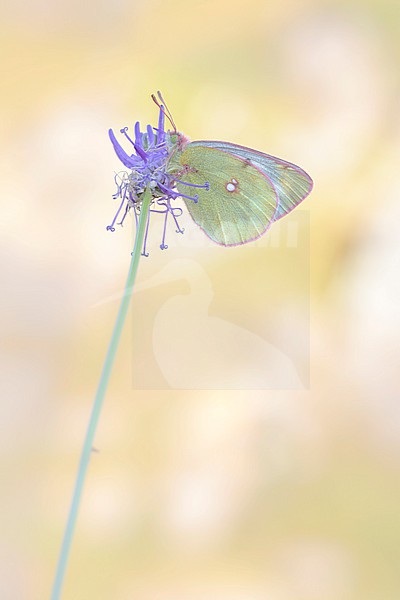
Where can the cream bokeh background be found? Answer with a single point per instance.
(203, 494)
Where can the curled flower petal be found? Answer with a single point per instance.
(150, 134)
(138, 135)
(127, 160)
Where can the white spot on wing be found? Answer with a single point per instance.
(231, 185)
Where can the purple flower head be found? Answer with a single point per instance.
(147, 165)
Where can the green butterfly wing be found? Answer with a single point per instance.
(241, 201)
(291, 182)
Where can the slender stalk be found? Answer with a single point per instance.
(98, 401)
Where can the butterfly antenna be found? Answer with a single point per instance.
(162, 108)
(167, 112)
(156, 102)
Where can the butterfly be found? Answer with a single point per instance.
(232, 192)
(245, 192)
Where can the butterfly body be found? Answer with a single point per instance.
(246, 190)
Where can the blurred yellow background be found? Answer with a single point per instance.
(210, 493)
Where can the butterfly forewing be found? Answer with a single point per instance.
(241, 202)
(290, 181)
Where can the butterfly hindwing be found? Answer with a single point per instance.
(241, 201)
(290, 181)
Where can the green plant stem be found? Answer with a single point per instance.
(98, 401)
